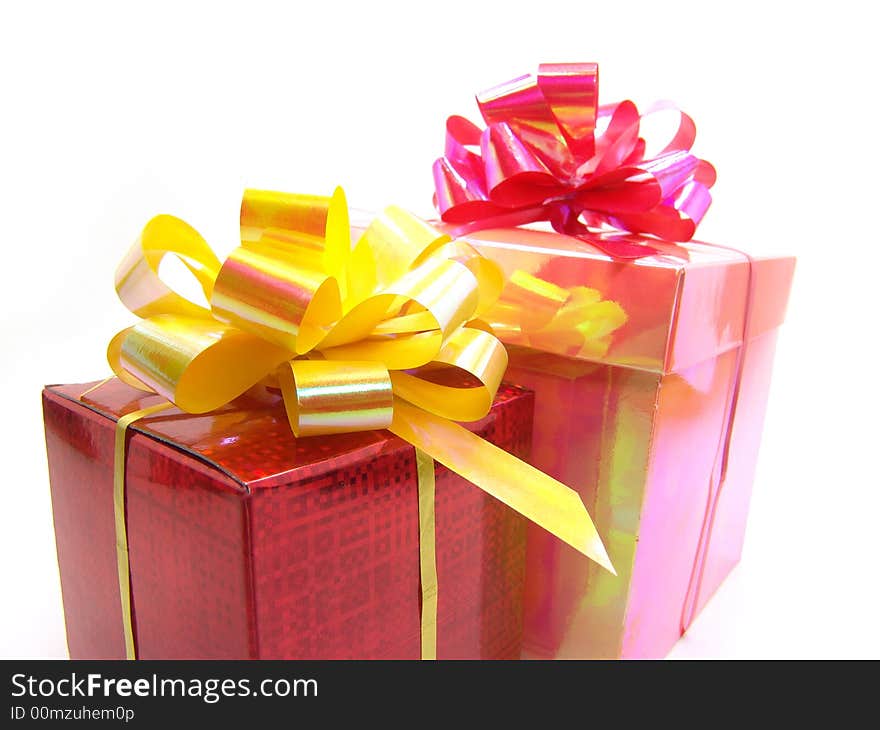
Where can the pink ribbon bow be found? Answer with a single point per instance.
(551, 152)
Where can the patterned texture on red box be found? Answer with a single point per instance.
(247, 542)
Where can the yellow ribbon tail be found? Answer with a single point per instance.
(534, 494)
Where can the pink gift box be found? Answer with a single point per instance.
(649, 424)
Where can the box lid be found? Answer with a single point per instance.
(248, 440)
(684, 303)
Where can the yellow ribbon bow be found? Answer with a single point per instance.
(352, 336)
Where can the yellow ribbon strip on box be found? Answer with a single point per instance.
(123, 568)
(427, 557)
(350, 333)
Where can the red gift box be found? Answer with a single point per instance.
(246, 542)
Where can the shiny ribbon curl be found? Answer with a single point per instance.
(550, 152)
(351, 335)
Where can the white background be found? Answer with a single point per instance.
(113, 112)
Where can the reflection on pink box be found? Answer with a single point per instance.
(649, 425)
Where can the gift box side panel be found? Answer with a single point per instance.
(190, 556)
(710, 316)
(335, 561)
(481, 548)
(336, 558)
(593, 427)
(186, 532)
(691, 416)
(80, 455)
(685, 469)
(728, 533)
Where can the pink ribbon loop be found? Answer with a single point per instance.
(551, 152)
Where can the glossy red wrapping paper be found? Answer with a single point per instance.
(246, 542)
(639, 431)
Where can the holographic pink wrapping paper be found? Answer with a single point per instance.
(638, 432)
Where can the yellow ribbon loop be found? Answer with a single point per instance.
(276, 297)
(357, 337)
(324, 397)
(198, 364)
(475, 352)
(295, 212)
(137, 277)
